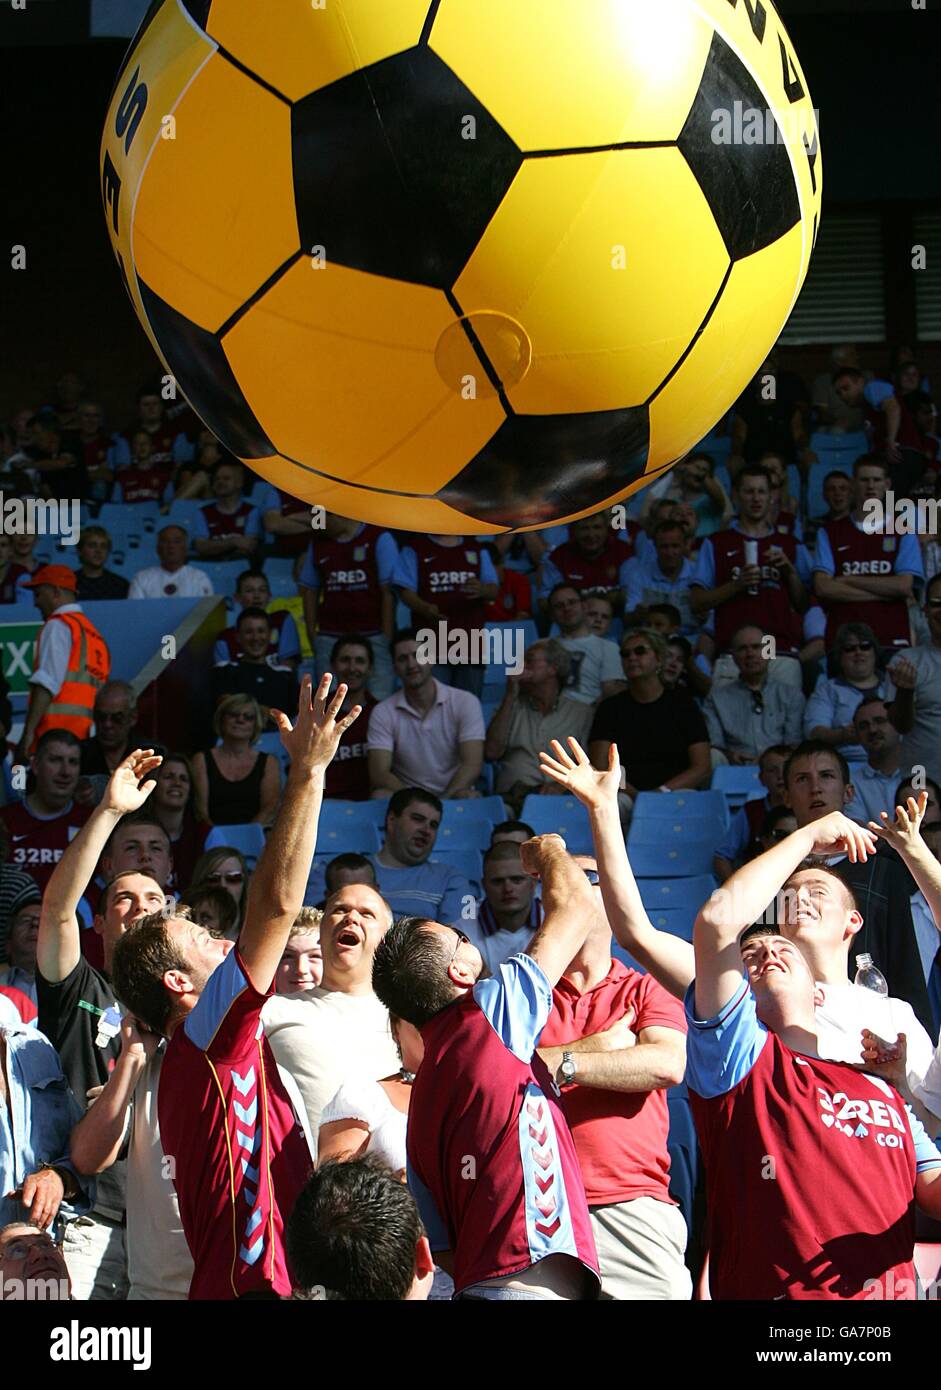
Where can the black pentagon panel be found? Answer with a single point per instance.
(385, 176)
(749, 187)
(206, 379)
(198, 11)
(539, 468)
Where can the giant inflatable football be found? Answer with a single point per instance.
(461, 265)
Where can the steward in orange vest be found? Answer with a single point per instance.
(72, 661)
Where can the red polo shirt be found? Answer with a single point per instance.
(620, 1136)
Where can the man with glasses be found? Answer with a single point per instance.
(491, 1161)
(744, 716)
(661, 736)
(115, 735)
(916, 712)
(875, 780)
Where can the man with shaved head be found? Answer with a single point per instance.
(337, 1031)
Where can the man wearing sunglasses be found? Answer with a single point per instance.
(916, 712)
(492, 1164)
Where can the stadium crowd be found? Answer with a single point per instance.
(504, 976)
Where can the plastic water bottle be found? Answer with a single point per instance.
(751, 558)
(870, 976)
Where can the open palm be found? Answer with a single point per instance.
(124, 792)
(575, 774)
(904, 832)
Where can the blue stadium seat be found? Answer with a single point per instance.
(469, 862)
(559, 815)
(138, 518)
(738, 784)
(619, 953)
(676, 922)
(279, 564)
(271, 743)
(484, 810)
(353, 837)
(183, 511)
(458, 834)
(248, 839)
(677, 860)
(222, 573)
(350, 826)
(839, 449)
(676, 894)
(282, 585)
(718, 446)
(675, 805)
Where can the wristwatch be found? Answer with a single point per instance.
(568, 1068)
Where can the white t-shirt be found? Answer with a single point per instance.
(159, 1263)
(323, 1039)
(367, 1101)
(848, 1009)
(594, 660)
(156, 582)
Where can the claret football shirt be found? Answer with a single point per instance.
(810, 1166)
(238, 1156)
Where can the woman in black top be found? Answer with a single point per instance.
(662, 740)
(232, 783)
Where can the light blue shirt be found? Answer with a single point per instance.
(833, 705)
(434, 890)
(875, 792)
(37, 1120)
(647, 584)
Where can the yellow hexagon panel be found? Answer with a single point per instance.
(155, 72)
(340, 363)
(299, 49)
(380, 508)
(558, 75)
(760, 292)
(587, 252)
(198, 240)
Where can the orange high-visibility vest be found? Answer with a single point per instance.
(89, 666)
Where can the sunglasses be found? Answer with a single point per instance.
(461, 941)
(236, 877)
(592, 876)
(635, 651)
(858, 647)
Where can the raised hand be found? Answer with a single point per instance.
(837, 834)
(903, 674)
(575, 774)
(534, 852)
(904, 833)
(124, 793)
(312, 740)
(888, 1060)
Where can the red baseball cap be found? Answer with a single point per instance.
(60, 576)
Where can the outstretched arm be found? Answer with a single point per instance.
(743, 898)
(567, 902)
(278, 883)
(58, 947)
(903, 834)
(668, 958)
